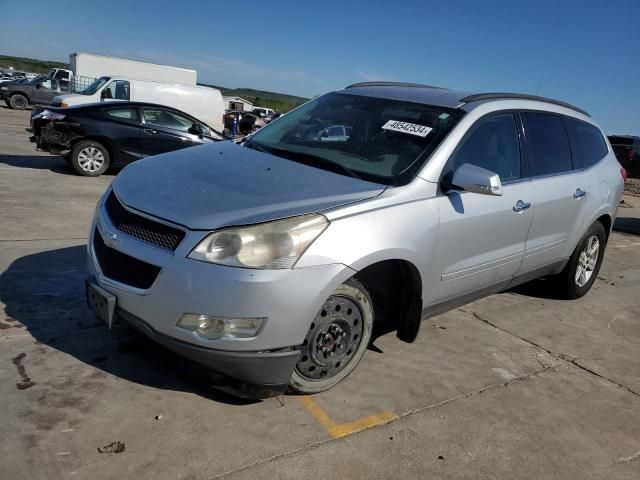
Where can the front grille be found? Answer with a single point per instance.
(142, 228)
(121, 267)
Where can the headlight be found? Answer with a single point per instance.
(4, 88)
(273, 245)
(213, 328)
(64, 105)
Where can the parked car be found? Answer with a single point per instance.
(20, 95)
(246, 122)
(271, 261)
(94, 137)
(627, 151)
(203, 103)
(263, 112)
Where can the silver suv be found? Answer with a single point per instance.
(272, 261)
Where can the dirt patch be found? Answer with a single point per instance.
(113, 447)
(25, 382)
(632, 186)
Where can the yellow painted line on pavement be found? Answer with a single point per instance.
(337, 430)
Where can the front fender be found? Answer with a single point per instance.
(400, 232)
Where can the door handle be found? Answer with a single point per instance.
(521, 206)
(579, 193)
(150, 131)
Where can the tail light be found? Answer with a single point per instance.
(623, 172)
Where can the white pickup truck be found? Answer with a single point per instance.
(203, 103)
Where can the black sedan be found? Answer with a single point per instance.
(92, 138)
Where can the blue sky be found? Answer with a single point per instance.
(584, 52)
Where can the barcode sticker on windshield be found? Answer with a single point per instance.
(410, 128)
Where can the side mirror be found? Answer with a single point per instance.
(471, 178)
(196, 129)
(39, 85)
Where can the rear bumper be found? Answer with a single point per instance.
(251, 374)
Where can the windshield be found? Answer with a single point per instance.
(372, 138)
(95, 86)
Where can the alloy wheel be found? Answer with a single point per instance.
(587, 261)
(90, 159)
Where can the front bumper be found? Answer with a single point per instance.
(251, 374)
(288, 299)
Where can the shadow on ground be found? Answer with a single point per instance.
(45, 293)
(627, 225)
(49, 162)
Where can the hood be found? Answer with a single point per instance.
(73, 99)
(224, 184)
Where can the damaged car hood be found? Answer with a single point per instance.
(224, 184)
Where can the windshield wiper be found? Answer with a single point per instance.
(306, 158)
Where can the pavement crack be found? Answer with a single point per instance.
(593, 372)
(559, 356)
(526, 340)
(407, 414)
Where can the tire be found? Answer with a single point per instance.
(325, 358)
(581, 270)
(18, 101)
(90, 158)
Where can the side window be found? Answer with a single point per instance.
(167, 119)
(336, 132)
(493, 145)
(123, 113)
(118, 89)
(549, 150)
(46, 84)
(587, 143)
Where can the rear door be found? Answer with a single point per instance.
(165, 130)
(560, 191)
(123, 126)
(481, 238)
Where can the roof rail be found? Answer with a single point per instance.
(393, 84)
(476, 97)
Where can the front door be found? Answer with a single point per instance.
(45, 91)
(165, 130)
(481, 238)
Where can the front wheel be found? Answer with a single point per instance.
(18, 101)
(90, 159)
(584, 264)
(336, 340)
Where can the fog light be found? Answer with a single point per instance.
(211, 328)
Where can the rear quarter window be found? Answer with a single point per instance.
(547, 144)
(123, 113)
(587, 142)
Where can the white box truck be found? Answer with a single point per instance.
(90, 65)
(203, 103)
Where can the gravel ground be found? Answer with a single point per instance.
(632, 186)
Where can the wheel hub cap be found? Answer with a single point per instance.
(587, 261)
(333, 337)
(90, 159)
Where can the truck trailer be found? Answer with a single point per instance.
(90, 65)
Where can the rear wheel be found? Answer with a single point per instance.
(336, 340)
(90, 158)
(584, 264)
(18, 101)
